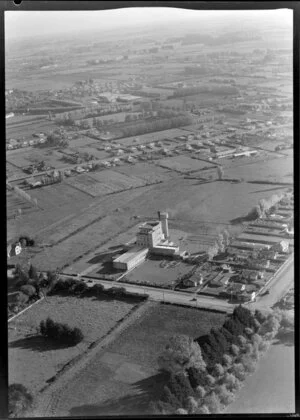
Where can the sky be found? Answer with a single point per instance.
(20, 24)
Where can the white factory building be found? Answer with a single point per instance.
(152, 237)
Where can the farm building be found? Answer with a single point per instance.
(248, 245)
(261, 239)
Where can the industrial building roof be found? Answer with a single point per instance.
(132, 253)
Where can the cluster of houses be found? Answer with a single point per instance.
(12, 144)
(251, 259)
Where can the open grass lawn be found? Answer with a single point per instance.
(152, 273)
(33, 360)
(124, 378)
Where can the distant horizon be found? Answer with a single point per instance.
(28, 24)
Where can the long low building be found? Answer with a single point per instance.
(131, 258)
(271, 240)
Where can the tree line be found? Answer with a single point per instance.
(203, 375)
(156, 125)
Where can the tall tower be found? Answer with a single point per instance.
(164, 223)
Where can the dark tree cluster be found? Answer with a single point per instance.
(219, 341)
(60, 332)
(156, 125)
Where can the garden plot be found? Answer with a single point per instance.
(34, 360)
(184, 164)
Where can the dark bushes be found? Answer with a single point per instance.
(60, 332)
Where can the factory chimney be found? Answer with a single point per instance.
(164, 223)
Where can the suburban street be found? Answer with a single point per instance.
(280, 283)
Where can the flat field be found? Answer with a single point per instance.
(104, 182)
(184, 164)
(153, 272)
(147, 172)
(279, 169)
(122, 379)
(34, 360)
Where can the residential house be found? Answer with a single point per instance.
(193, 281)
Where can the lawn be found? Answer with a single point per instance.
(121, 379)
(152, 272)
(33, 360)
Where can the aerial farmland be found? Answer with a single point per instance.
(149, 195)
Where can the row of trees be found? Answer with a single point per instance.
(187, 91)
(31, 286)
(202, 380)
(222, 241)
(157, 125)
(23, 194)
(264, 206)
(60, 332)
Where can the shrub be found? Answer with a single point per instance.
(210, 380)
(169, 398)
(242, 340)
(218, 370)
(200, 391)
(239, 371)
(230, 381)
(227, 360)
(248, 348)
(235, 350)
(22, 298)
(19, 400)
(225, 396)
(196, 377)
(181, 353)
(180, 386)
(256, 338)
(259, 316)
(213, 403)
(248, 364)
(203, 410)
(28, 290)
(264, 345)
(181, 411)
(191, 405)
(32, 273)
(60, 332)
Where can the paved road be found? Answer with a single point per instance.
(280, 283)
(164, 295)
